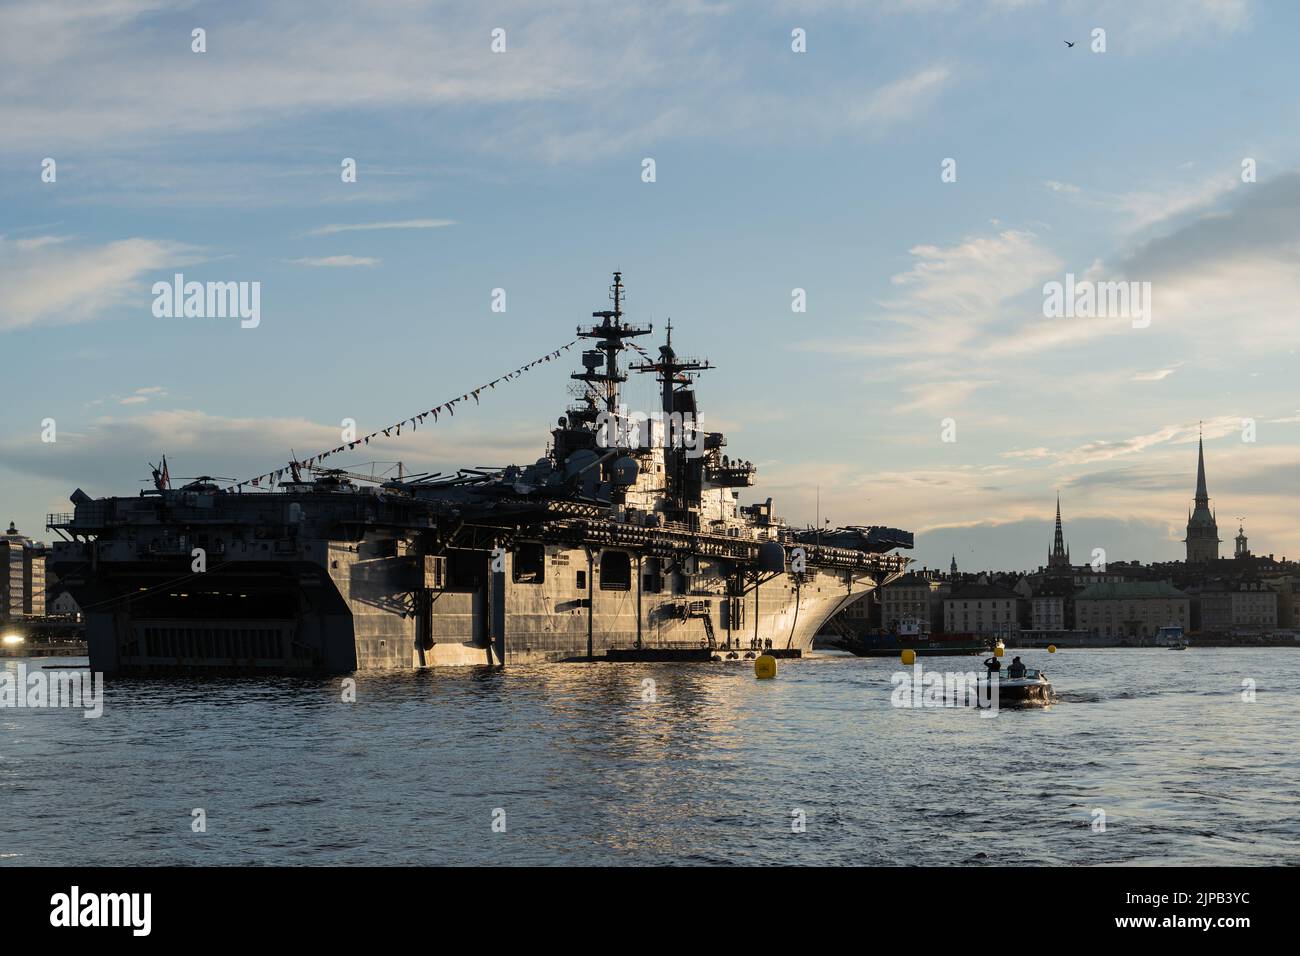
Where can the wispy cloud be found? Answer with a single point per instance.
(1104, 450)
(905, 97)
(331, 262)
(335, 228)
(142, 395)
(54, 282)
(1156, 375)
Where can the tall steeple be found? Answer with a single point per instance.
(1202, 529)
(1059, 556)
(1202, 495)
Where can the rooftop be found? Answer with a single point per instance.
(1129, 590)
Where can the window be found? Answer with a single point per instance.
(615, 571)
(529, 565)
(582, 581)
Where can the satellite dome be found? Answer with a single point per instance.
(625, 471)
(579, 460)
(771, 557)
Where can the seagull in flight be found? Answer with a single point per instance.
(1067, 43)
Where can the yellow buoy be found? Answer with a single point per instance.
(909, 656)
(998, 649)
(1051, 648)
(765, 667)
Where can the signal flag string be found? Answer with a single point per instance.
(272, 477)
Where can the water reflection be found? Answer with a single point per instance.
(711, 770)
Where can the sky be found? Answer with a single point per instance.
(923, 387)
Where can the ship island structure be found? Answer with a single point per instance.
(625, 541)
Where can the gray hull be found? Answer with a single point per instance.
(351, 610)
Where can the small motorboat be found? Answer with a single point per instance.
(1031, 690)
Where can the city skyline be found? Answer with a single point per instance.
(775, 171)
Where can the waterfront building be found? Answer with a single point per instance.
(1131, 608)
(22, 576)
(1241, 604)
(982, 609)
(1286, 584)
(35, 587)
(1052, 605)
(915, 596)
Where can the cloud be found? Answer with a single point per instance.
(577, 81)
(1028, 454)
(54, 282)
(1137, 26)
(37, 242)
(904, 98)
(144, 81)
(1264, 221)
(142, 395)
(111, 450)
(941, 397)
(1158, 375)
(954, 296)
(335, 228)
(336, 261)
(1231, 274)
(1103, 450)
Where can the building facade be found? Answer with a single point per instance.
(913, 597)
(1052, 605)
(1238, 605)
(1131, 609)
(22, 576)
(982, 609)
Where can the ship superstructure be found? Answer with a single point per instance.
(627, 539)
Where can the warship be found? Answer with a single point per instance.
(625, 541)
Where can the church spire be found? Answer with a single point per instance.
(1202, 529)
(1058, 556)
(1202, 495)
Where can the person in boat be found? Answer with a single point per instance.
(994, 666)
(1016, 670)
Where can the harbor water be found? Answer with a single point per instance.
(1148, 757)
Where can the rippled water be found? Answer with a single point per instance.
(586, 772)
